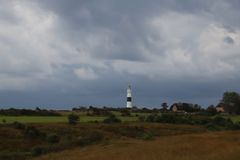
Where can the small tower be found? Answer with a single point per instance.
(129, 97)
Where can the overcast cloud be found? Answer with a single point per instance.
(65, 53)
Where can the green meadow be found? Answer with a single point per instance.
(234, 118)
(58, 119)
(83, 118)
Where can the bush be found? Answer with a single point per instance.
(127, 131)
(73, 119)
(8, 155)
(32, 132)
(141, 118)
(212, 127)
(18, 125)
(146, 136)
(152, 118)
(202, 120)
(125, 112)
(112, 119)
(235, 126)
(53, 138)
(90, 138)
(220, 121)
(37, 151)
(4, 121)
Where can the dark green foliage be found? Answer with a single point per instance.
(139, 132)
(220, 121)
(112, 119)
(18, 125)
(39, 150)
(28, 112)
(5, 155)
(169, 118)
(141, 118)
(32, 132)
(93, 111)
(235, 126)
(146, 136)
(212, 127)
(200, 120)
(164, 107)
(90, 138)
(231, 102)
(152, 118)
(53, 138)
(212, 124)
(73, 119)
(211, 110)
(125, 112)
(4, 121)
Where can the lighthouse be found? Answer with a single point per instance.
(129, 97)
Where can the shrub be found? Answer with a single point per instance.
(235, 126)
(152, 118)
(32, 132)
(91, 138)
(125, 112)
(4, 121)
(18, 125)
(146, 136)
(212, 127)
(73, 118)
(37, 151)
(112, 119)
(9, 155)
(220, 121)
(141, 118)
(53, 138)
(202, 120)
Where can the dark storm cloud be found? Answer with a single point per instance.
(64, 53)
(228, 40)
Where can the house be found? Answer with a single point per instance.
(220, 108)
(185, 108)
(180, 107)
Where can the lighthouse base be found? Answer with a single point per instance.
(129, 104)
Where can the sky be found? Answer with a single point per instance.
(67, 53)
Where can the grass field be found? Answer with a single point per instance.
(208, 146)
(55, 119)
(18, 143)
(234, 118)
(83, 118)
(130, 140)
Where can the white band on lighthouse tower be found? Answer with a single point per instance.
(129, 97)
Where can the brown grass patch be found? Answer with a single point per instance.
(201, 146)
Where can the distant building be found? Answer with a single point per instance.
(180, 107)
(185, 107)
(220, 108)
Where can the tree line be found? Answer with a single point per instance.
(28, 112)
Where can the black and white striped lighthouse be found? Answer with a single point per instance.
(129, 97)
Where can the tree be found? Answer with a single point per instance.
(73, 118)
(112, 119)
(4, 121)
(211, 110)
(125, 112)
(231, 102)
(164, 106)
